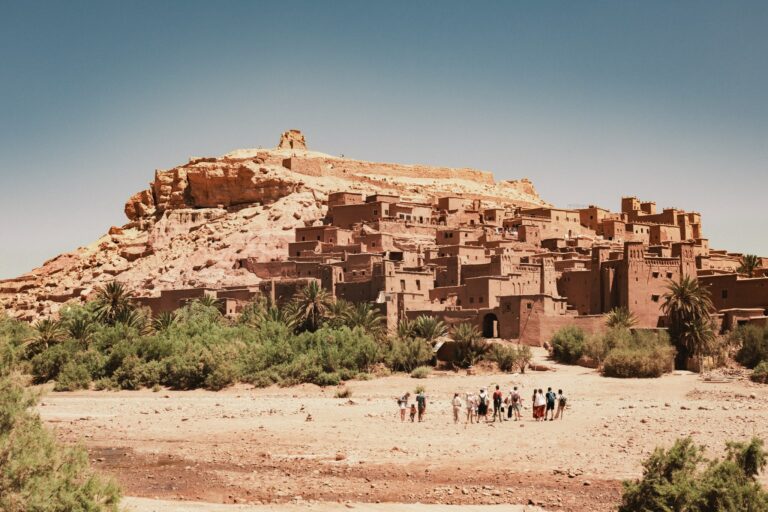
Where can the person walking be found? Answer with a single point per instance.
(498, 398)
(534, 409)
(456, 407)
(551, 399)
(421, 401)
(561, 401)
(402, 403)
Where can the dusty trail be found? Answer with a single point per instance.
(257, 446)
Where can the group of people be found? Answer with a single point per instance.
(545, 406)
(419, 407)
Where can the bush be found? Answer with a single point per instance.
(73, 376)
(681, 479)
(641, 362)
(344, 392)
(407, 354)
(422, 372)
(753, 343)
(47, 365)
(568, 344)
(760, 373)
(38, 474)
(523, 357)
(504, 356)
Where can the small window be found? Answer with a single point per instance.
(655, 298)
(471, 300)
(724, 294)
(375, 212)
(669, 275)
(656, 275)
(458, 302)
(318, 237)
(529, 305)
(418, 284)
(508, 307)
(303, 238)
(402, 285)
(480, 300)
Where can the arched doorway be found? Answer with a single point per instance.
(490, 326)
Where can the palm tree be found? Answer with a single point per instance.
(164, 321)
(621, 318)
(749, 263)
(429, 328)
(208, 301)
(366, 317)
(687, 306)
(406, 329)
(312, 304)
(136, 319)
(470, 344)
(111, 302)
(339, 312)
(81, 329)
(47, 332)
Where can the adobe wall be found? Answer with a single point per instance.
(728, 291)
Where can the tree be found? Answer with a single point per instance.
(112, 303)
(37, 473)
(339, 311)
(621, 318)
(209, 301)
(46, 333)
(429, 328)
(164, 321)
(366, 317)
(675, 480)
(81, 329)
(470, 344)
(406, 329)
(687, 305)
(312, 304)
(749, 263)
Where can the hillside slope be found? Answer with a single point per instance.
(196, 220)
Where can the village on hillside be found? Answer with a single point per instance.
(517, 273)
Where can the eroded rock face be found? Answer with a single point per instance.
(292, 139)
(197, 220)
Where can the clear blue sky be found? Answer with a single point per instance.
(590, 100)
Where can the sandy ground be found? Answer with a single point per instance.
(304, 447)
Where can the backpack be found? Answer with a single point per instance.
(482, 400)
(562, 401)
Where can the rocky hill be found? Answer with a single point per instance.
(195, 221)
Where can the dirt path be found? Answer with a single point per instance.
(302, 445)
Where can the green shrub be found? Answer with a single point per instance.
(422, 372)
(187, 369)
(504, 356)
(104, 383)
(681, 479)
(641, 362)
(38, 474)
(753, 343)
(47, 364)
(523, 356)
(73, 376)
(760, 373)
(407, 354)
(568, 344)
